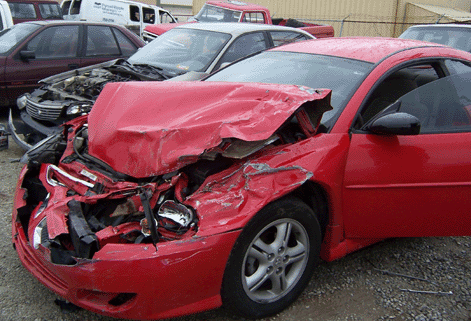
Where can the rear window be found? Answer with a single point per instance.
(22, 10)
(50, 11)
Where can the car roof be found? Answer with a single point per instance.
(68, 22)
(441, 25)
(370, 49)
(236, 28)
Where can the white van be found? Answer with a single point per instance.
(6, 20)
(133, 15)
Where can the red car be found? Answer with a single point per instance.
(178, 197)
(31, 51)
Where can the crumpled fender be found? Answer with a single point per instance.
(229, 199)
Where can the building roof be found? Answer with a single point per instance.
(443, 12)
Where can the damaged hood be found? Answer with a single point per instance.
(146, 129)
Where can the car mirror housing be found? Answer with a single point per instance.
(395, 124)
(27, 55)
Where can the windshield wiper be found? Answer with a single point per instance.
(140, 70)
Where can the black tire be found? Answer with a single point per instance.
(265, 274)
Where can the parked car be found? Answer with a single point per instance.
(455, 35)
(177, 197)
(133, 15)
(217, 11)
(31, 51)
(195, 47)
(33, 10)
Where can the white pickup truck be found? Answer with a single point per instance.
(6, 20)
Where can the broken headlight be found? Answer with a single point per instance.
(177, 213)
(79, 109)
(21, 102)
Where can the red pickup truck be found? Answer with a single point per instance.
(237, 11)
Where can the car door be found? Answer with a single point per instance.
(412, 185)
(55, 51)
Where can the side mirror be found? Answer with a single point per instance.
(395, 124)
(27, 55)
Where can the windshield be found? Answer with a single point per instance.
(182, 50)
(211, 13)
(338, 74)
(10, 38)
(459, 38)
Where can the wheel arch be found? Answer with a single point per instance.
(315, 196)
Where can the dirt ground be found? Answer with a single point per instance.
(398, 279)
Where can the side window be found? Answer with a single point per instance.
(76, 7)
(283, 37)
(134, 13)
(442, 106)
(457, 67)
(49, 10)
(149, 15)
(243, 46)
(165, 17)
(253, 17)
(394, 87)
(22, 10)
(127, 47)
(55, 42)
(101, 42)
(65, 7)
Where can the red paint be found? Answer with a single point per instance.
(376, 186)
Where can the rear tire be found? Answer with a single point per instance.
(272, 260)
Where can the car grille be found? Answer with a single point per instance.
(43, 111)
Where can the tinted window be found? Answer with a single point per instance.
(101, 42)
(457, 67)
(243, 46)
(442, 106)
(22, 10)
(65, 7)
(134, 13)
(284, 37)
(395, 86)
(127, 47)
(149, 15)
(55, 42)
(314, 71)
(50, 10)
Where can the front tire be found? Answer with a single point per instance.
(272, 260)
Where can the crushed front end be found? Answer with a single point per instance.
(149, 237)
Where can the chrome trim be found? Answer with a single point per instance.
(53, 182)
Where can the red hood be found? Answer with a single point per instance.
(159, 29)
(144, 129)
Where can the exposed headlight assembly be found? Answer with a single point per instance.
(79, 109)
(177, 213)
(21, 102)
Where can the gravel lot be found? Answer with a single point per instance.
(398, 279)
